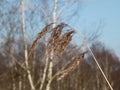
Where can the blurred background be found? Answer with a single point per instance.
(98, 22)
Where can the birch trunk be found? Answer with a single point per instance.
(25, 49)
(13, 83)
(50, 70)
(12, 63)
(20, 83)
(46, 67)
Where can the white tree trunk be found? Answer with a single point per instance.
(45, 69)
(20, 83)
(50, 71)
(25, 51)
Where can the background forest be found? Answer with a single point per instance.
(41, 50)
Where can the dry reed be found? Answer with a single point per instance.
(57, 43)
(40, 34)
(64, 41)
(72, 67)
(55, 36)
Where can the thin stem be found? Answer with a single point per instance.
(94, 58)
(99, 67)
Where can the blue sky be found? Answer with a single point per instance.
(109, 12)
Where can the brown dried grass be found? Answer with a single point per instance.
(64, 41)
(72, 67)
(40, 34)
(55, 36)
(57, 43)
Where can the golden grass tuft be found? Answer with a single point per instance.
(57, 44)
(40, 34)
(57, 41)
(72, 67)
(64, 41)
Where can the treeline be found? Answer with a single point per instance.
(85, 77)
